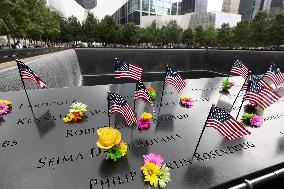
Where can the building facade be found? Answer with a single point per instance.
(87, 4)
(276, 7)
(187, 6)
(231, 6)
(133, 10)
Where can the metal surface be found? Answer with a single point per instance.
(38, 154)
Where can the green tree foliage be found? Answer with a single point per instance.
(260, 27)
(110, 31)
(130, 33)
(210, 36)
(277, 30)
(187, 36)
(242, 34)
(199, 35)
(172, 33)
(90, 29)
(225, 35)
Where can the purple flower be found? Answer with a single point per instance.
(144, 123)
(154, 158)
(255, 120)
(3, 109)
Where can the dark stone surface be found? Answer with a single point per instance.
(97, 61)
(176, 132)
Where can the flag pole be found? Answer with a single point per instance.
(243, 99)
(202, 132)
(240, 91)
(163, 91)
(108, 108)
(30, 105)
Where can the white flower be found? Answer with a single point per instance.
(78, 107)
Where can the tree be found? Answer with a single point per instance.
(74, 27)
(277, 30)
(130, 33)
(172, 32)
(152, 33)
(210, 36)
(187, 36)
(199, 35)
(109, 30)
(90, 29)
(242, 34)
(260, 28)
(225, 35)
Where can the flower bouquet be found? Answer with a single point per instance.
(151, 92)
(110, 140)
(252, 107)
(252, 119)
(185, 101)
(76, 113)
(226, 85)
(154, 172)
(5, 107)
(144, 121)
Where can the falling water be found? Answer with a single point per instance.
(58, 70)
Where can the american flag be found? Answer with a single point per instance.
(124, 69)
(225, 124)
(27, 73)
(260, 94)
(173, 78)
(255, 78)
(141, 92)
(239, 68)
(117, 104)
(275, 75)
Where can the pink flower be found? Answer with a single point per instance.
(3, 109)
(255, 120)
(232, 84)
(154, 158)
(144, 123)
(225, 88)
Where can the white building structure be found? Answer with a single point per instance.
(67, 8)
(192, 20)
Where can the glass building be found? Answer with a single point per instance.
(133, 10)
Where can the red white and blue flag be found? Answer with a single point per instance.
(275, 75)
(228, 126)
(260, 94)
(238, 68)
(255, 78)
(123, 69)
(173, 78)
(27, 73)
(117, 104)
(141, 92)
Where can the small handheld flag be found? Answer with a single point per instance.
(275, 74)
(141, 92)
(124, 69)
(27, 73)
(222, 121)
(117, 104)
(173, 78)
(239, 68)
(260, 94)
(255, 78)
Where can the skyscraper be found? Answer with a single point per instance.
(231, 6)
(246, 9)
(276, 7)
(187, 6)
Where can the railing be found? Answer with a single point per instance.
(8, 55)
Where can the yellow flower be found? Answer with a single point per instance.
(123, 147)
(68, 117)
(146, 115)
(108, 137)
(8, 103)
(151, 172)
(184, 97)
